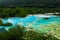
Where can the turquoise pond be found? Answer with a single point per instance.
(32, 21)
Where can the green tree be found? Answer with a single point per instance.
(16, 33)
(1, 22)
(21, 12)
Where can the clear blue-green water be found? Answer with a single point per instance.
(33, 21)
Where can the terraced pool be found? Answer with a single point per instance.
(37, 22)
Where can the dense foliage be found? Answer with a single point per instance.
(20, 33)
(12, 12)
(23, 11)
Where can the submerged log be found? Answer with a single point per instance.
(46, 18)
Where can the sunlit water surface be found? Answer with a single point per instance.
(32, 21)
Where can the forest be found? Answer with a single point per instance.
(24, 11)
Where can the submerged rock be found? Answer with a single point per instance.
(7, 24)
(2, 30)
(46, 18)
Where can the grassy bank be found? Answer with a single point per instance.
(21, 33)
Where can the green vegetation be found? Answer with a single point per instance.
(12, 12)
(20, 33)
(1, 22)
(6, 24)
(23, 11)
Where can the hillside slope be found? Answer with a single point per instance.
(40, 3)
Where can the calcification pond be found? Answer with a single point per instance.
(37, 22)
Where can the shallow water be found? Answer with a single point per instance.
(33, 21)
